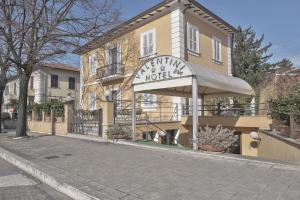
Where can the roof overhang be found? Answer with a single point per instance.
(153, 13)
(168, 75)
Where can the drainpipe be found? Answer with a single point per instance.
(232, 67)
(185, 45)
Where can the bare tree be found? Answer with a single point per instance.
(39, 30)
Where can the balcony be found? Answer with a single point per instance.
(112, 72)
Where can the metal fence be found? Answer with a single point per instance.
(169, 111)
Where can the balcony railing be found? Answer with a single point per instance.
(111, 70)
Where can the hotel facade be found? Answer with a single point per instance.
(184, 52)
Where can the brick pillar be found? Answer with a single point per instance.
(68, 111)
(108, 118)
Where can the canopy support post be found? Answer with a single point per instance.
(202, 105)
(133, 113)
(195, 112)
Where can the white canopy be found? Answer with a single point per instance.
(172, 76)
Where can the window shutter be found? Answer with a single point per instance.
(150, 44)
(107, 56)
(145, 43)
(119, 58)
(90, 64)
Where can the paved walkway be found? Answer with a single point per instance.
(16, 185)
(112, 171)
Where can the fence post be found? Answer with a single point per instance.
(68, 109)
(33, 115)
(100, 119)
(160, 111)
(219, 108)
(177, 110)
(108, 118)
(52, 121)
(253, 106)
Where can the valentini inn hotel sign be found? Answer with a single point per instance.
(161, 68)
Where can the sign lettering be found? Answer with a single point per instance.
(161, 68)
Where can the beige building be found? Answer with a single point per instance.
(183, 29)
(48, 82)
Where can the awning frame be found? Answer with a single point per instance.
(172, 76)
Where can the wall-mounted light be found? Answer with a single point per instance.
(254, 135)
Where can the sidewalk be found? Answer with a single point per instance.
(17, 185)
(113, 171)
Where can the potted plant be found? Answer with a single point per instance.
(217, 139)
(119, 132)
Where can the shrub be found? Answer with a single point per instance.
(282, 107)
(218, 138)
(119, 132)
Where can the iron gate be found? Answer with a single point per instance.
(86, 122)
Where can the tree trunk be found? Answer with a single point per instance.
(1, 98)
(22, 113)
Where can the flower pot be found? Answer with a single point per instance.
(284, 130)
(121, 137)
(210, 148)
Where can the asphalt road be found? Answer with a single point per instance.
(16, 185)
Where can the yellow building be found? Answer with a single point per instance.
(184, 29)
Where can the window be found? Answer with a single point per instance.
(71, 83)
(31, 83)
(54, 81)
(217, 50)
(92, 101)
(148, 43)
(193, 38)
(148, 101)
(92, 65)
(113, 60)
(15, 88)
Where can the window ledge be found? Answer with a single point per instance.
(194, 53)
(149, 56)
(217, 62)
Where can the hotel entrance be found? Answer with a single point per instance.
(172, 76)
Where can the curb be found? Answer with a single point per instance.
(198, 154)
(34, 171)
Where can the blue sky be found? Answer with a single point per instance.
(278, 20)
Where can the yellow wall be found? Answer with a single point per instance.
(271, 147)
(206, 34)
(130, 51)
(248, 145)
(46, 126)
(262, 122)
